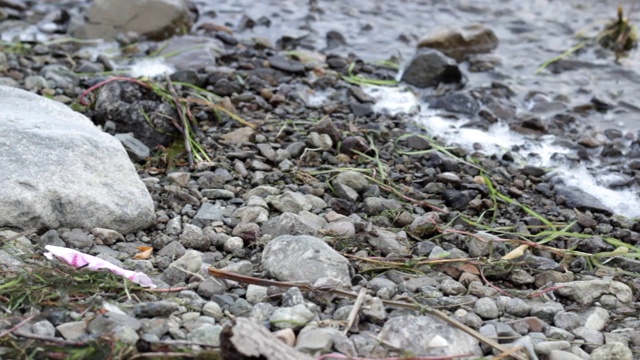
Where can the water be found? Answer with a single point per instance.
(593, 178)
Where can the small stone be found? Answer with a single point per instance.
(43, 328)
(107, 236)
(212, 309)
(291, 317)
(179, 178)
(73, 330)
(155, 309)
(193, 237)
(486, 308)
(207, 214)
(612, 351)
(206, 334)
(233, 244)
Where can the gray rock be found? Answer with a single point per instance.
(517, 307)
(212, 309)
(585, 292)
(546, 347)
(76, 238)
(125, 334)
(59, 76)
(563, 355)
(591, 336)
(595, 318)
(429, 67)
(577, 198)
(566, 320)
(286, 64)
(291, 317)
(345, 192)
(341, 228)
(43, 328)
(107, 236)
(206, 334)
(388, 242)
(289, 201)
(316, 340)
(60, 170)
(374, 310)
(73, 330)
(321, 141)
(233, 244)
(353, 179)
(459, 43)
(486, 308)
(217, 194)
(546, 310)
(304, 223)
(527, 343)
(154, 19)
(193, 237)
(452, 287)
(155, 309)
(376, 205)
(241, 307)
(427, 336)
(304, 258)
(449, 178)
(456, 103)
(247, 214)
(613, 351)
(136, 149)
(256, 294)
(261, 312)
(190, 261)
(207, 214)
(211, 286)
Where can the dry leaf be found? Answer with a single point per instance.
(516, 253)
(145, 252)
(470, 268)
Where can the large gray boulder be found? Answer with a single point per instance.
(59, 170)
(155, 19)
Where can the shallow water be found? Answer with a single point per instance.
(530, 33)
(592, 177)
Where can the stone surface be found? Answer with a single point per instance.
(577, 198)
(155, 19)
(59, 170)
(460, 42)
(429, 68)
(427, 336)
(304, 258)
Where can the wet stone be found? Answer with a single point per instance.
(155, 309)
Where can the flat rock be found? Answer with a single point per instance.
(60, 170)
(460, 42)
(155, 19)
(191, 52)
(427, 336)
(577, 198)
(304, 258)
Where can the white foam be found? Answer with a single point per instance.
(149, 67)
(499, 138)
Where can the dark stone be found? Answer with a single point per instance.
(576, 198)
(535, 171)
(227, 38)
(286, 64)
(124, 103)
(326, 126)
(360, 110)
(429, 68)
(188, 76)
(354, 143)
(225, 87)
(458, 200)
(456, 103)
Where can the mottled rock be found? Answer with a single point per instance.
(304, 258)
